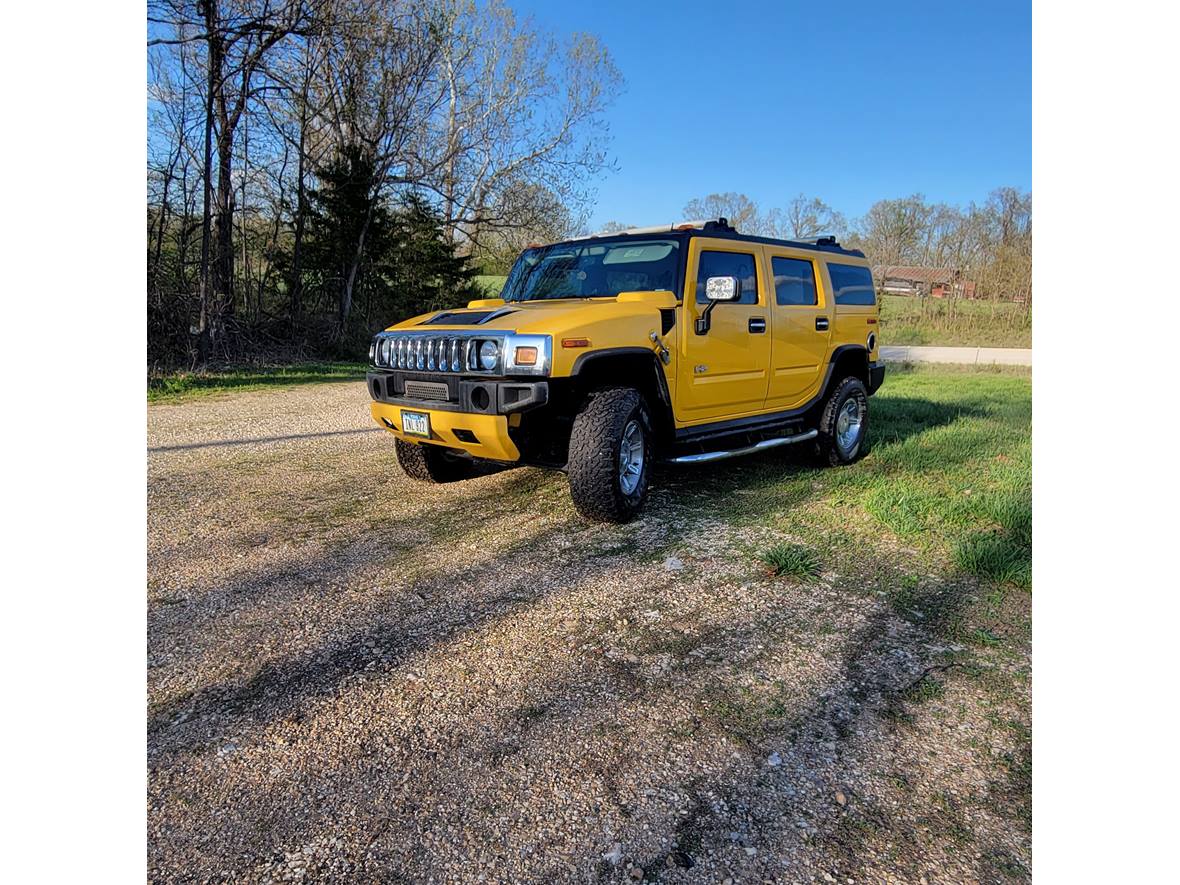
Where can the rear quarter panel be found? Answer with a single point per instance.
(853, 323)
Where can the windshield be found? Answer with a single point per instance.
(593, 269)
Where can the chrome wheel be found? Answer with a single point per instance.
(631, 454)
(848, 425)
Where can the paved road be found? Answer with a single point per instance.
(971, 356)
(352, 677)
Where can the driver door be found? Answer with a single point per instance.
(724, 372)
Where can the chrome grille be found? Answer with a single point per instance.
(443, 353)
(452, 352)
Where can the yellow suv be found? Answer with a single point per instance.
(686, 343)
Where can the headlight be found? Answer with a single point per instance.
(386, 344)
(373, 351)
(489, 353)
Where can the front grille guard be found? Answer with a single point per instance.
(456, 353)
(432, 353)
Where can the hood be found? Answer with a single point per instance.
(519, 316)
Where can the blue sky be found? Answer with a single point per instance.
(851, 102)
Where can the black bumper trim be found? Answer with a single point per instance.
(876, 376)
(470, 397)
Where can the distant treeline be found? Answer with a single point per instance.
(988, 244)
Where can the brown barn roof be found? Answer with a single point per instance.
(932, 275)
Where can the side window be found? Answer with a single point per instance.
(794, 281)
(852, 284)
(728, 264)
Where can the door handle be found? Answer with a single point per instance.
(757, 325)
(821, 324)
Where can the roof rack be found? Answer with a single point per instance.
(722, 227)
(709, 224)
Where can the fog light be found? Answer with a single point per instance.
(526, 356)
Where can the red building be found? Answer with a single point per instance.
(935, 282)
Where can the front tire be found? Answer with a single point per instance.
(843, 424)
(427, 463)
(610, 455)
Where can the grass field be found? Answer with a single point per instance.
(179, 386)
(960, 323)
(949, 472)
(490, 284)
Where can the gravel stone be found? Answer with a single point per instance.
(355, 677)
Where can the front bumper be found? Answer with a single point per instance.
(483, 436)
(472, 415)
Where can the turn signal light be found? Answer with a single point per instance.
(526, 356)
(575, 342)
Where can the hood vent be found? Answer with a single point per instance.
(472, 318)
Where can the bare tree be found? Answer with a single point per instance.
(237, 35)
(741, 212)
(374, 94)
(516, 108)
(804, 218)
(614, 227)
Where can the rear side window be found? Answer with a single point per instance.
(794, 281)
(728, 264)
(852, 284)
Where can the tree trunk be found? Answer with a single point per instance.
(213, 39)
(353, 270)
(296, 282)
(158, 248)
(223, 265)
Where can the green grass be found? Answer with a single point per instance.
(938, 321)
(491, 284)
(791, 560)
(947, 474)
(179, 386)
(950, 467)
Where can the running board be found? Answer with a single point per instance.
(705, 457)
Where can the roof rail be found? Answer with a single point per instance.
(699, 224)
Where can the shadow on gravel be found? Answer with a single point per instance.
(840, 727)
(365, 550)
(707, 493)
(261, 440)
(442, 604)
(850, 722)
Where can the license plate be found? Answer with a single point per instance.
(416, 424)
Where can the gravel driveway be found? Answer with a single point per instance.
(356, 678)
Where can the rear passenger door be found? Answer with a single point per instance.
(802, 320)
(724, 371)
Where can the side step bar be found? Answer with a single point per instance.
(762, 446)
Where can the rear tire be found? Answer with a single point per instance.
(610, 455)
(427, 463)
(844, 424)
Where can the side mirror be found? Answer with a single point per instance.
(722, 289)
(717, 289)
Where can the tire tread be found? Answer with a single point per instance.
(592, 465)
